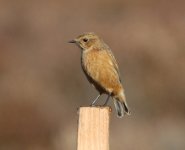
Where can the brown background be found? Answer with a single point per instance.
(42, 84)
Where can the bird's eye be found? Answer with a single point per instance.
(85, 39)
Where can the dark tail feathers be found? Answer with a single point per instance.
(121, 108)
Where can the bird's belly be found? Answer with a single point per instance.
(100, 73)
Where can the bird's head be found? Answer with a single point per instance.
(87, 40)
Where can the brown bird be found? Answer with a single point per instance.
(101, 69)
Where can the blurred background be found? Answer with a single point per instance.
(42, 83)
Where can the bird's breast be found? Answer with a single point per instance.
(91, 63)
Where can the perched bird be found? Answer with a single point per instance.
(101, 70)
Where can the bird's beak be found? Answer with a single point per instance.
(72, 41)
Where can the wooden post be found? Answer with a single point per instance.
(93, 128)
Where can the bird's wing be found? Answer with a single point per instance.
(114, 62)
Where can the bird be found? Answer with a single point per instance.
(101, 69)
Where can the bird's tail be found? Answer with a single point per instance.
(121, 105)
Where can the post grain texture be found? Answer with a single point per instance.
(93, 128)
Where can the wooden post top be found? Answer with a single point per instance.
(93, 128)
